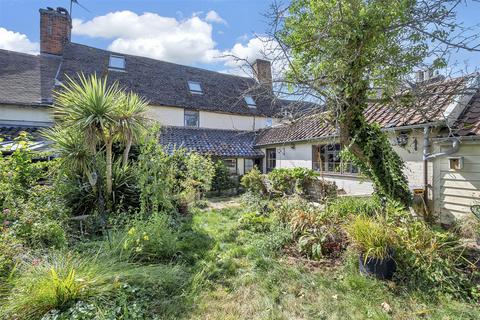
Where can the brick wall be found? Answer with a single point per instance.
(55, 30)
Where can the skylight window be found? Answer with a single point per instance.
(195, 87)
(250, 102)
(116, 62)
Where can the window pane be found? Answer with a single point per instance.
(231, 164)
(191, 118)
(117, 62)
(249, 100)
(268, 122)
(195, 87)
(248, 165)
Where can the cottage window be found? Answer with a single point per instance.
(326, 158)
(231, 165)
(191, 118)
(271, 159)
(195, 87)
(116, 62)
(248, 165)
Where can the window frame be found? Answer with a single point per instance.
(114, 56)
(320, 160)
(191, 113)
(191, 83)
(245, 165)
(236, 165)
(268, 159)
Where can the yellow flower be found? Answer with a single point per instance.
(131, 231)
(145, 237)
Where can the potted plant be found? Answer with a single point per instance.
(374, 242)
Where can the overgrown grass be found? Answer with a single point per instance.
(249, 277)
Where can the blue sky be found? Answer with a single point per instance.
(193, 32)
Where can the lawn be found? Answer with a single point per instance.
(248, 276)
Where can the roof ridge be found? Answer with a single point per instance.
(163, 61)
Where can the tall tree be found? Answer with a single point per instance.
(348, 51)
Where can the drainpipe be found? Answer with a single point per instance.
(430, 156)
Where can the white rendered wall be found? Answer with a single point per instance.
(28, 116)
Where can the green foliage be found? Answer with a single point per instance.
(19, 172)
(40, 221)
(290, 181)
(433, 260)
(150, 240)
(255, 222)
(353, 206)
(371, 237)
(222, 179)
(11, 250)
(253, 182)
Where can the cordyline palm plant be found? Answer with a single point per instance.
(91, 115)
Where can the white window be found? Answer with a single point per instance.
(191, 118)
(250, 102)
(195, 87)
(231, 165)
(116, 62)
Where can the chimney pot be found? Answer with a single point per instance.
(55, 30)
(262, 70)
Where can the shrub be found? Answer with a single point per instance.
(222, 179)
(290, 181)
(253, 182)
(150, 240)
(371, 237)
(433, 260)
(255, 222)
(348, 206)
(40, 221)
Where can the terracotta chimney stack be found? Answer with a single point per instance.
(55, 30)
(262, 70)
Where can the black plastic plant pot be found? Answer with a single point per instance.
(379, 268)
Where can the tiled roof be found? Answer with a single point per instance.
(27, 79)
(8, 133)
(165, 83)
(430, 108)
(214, 142)
(469, 122)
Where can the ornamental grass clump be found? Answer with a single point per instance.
(372, 238)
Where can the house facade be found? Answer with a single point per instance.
(201, 110)
(238, 119)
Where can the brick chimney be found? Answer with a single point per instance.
(55, 30)
(262, 70)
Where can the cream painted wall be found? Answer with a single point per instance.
(168, 116)
(215, 120)
(20, 115)
(173, 116)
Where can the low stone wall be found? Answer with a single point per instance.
(319, 189)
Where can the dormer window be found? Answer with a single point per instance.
(250, 102)
(116, 62)
(195, 87)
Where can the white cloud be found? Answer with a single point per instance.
(151, 35)
(15, 41)
(187, 41)
(213, 16)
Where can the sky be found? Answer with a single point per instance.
(200, 33)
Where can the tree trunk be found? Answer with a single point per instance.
(109, 146)
(126, 151)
